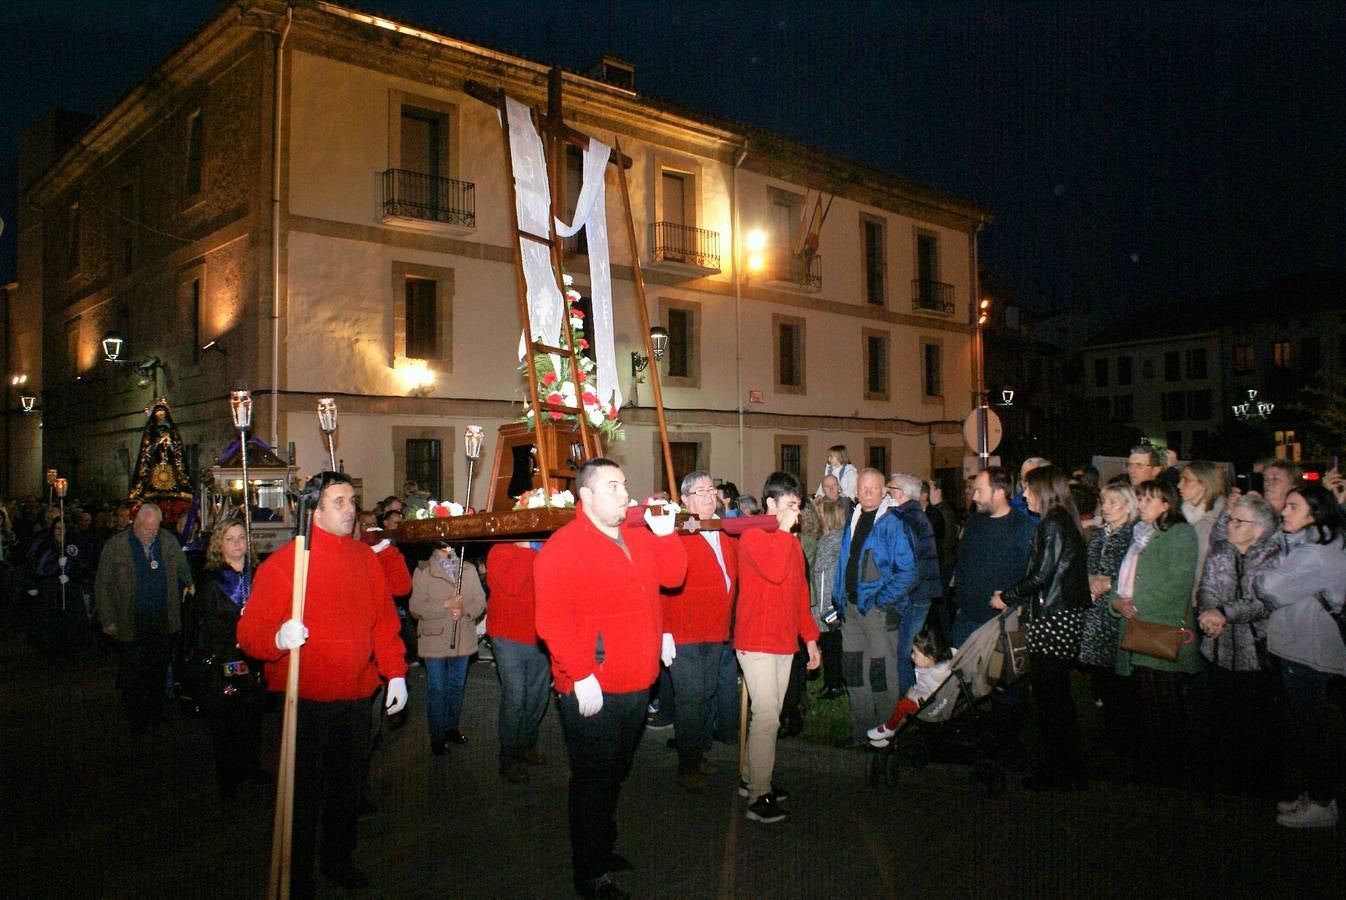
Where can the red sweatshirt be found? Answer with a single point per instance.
(773, 594)
(699, 611)
(509, 610)
(588, 588)
(348, 610)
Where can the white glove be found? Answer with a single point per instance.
(63, 579)
(61, 562)
(397, 695)
(669, 650)
(589, 696)
(292, 634)
(662, 526)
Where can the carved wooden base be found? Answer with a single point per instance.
(517, 525)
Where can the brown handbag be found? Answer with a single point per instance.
(1153, 639)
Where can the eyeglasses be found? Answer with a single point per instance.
(1233, 519)
(704, 492)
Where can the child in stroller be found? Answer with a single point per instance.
(930, 654)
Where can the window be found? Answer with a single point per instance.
(876, 452)
(1174, 441)
(791, 456)
(73, 238)
(932, 370)
(1123, 371)
(789, 354)
(126, 225)
(1244, 358)
(1147, 369)
(682, 361)
(1101, 373)
(577, 243)
(1172, 366)
(1173, 406)
(1123, 408)
(423, 145)
(1199, 404)
(422, 311)
(1282, 357)
(1196, 363)
(423, 464)
(927, 256)
(1288, 446)
(195, 152)
(675, 190)
(422, 298)
(874, 261)
(1312, 350)
(875, 355)
(784, 263)
(686, 458)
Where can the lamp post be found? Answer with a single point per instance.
(240, 408)
(472, 440)
(327, 421)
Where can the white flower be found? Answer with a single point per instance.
(536, 500)
(567, 280)
(562, 499)
(455, 509)
(595, 417)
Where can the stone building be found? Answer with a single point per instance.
(317, 201)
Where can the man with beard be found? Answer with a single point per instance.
(992, 554)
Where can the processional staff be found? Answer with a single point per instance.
(327, 421)
(240, 407)
(60, 486)
(472, 439)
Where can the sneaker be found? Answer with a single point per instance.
(766, 810)
(1289, 806)
(659, 722)
(880, 733)
(879, 743)
(1310, 815)
(776, 791)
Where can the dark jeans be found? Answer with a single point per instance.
(524, 679)
(1061, 761)
(601, 748)
(331, 749)
(829, 646)
(235, 725)
(1306, 704)
(142, 665)
(913, 620)
(695, 670)
(1158, 724)
(445, 678)
(727, 696)
(1245, 720)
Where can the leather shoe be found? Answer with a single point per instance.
(439, 748)
(455, 737)
(531, 757)
(347, 875)
(514, 773)
(619, 863)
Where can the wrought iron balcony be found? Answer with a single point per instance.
(796, 271)
(695, 247)
(429, 198)
(932, 296)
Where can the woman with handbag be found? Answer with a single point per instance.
(446, 607)
(1303, 591)
(1157, 651)
(1244, 739)
(1055, 593)
(229, 691)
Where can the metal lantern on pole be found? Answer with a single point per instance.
(240, 408)
(327, 421)
(60, 486)
(51, 480)
(473, 436)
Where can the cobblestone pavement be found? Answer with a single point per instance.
(90, 811)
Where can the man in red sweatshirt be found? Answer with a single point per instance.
(599, 611)
(696, 621)
(350, 638)
(519, 661)
(772, 616)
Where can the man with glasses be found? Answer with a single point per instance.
(1144, 464)
(696, 621)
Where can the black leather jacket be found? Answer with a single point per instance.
(1056, 569)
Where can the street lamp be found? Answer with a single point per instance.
(755, 244)
(113, 346)
(658, 344)
(1252, 409)
(28, 402)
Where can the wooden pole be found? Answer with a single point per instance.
(645, 330)
(282, 830)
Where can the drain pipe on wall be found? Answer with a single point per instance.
(277, 116)
(740, 155)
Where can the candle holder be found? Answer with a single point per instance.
(240, 408)
(327, 422)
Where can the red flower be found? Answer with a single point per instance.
(612, 412)
(577, 313)
(554, 397)
(549, 378)
(590, 399)
(554, 416)
(442, 511)
(583, 344)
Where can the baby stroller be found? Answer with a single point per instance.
(950, 726)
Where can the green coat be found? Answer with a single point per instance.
(1163, 594)
(115, 586)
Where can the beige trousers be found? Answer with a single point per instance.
(767, 675)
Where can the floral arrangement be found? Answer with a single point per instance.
(539, 498)
(556, 386)
(435, 509)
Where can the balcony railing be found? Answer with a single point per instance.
(429, 198)
(932, 296)
(672, 242)
(799, 271)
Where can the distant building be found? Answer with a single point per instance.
(1176, 372)
(390, 282)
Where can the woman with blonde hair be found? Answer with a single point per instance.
(1201, 485)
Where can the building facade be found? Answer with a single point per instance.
(313, 205)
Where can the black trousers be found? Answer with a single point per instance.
(329, 767)
(829, 645)
(142, 673)
(1062, 761)
(235, 725)
(694, 672)
(601, 748)
(1245, 734)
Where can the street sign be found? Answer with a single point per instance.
(993, 429)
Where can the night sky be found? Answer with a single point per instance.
(1130, 152)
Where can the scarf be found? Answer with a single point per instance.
(1126, 576)
(233, 584)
